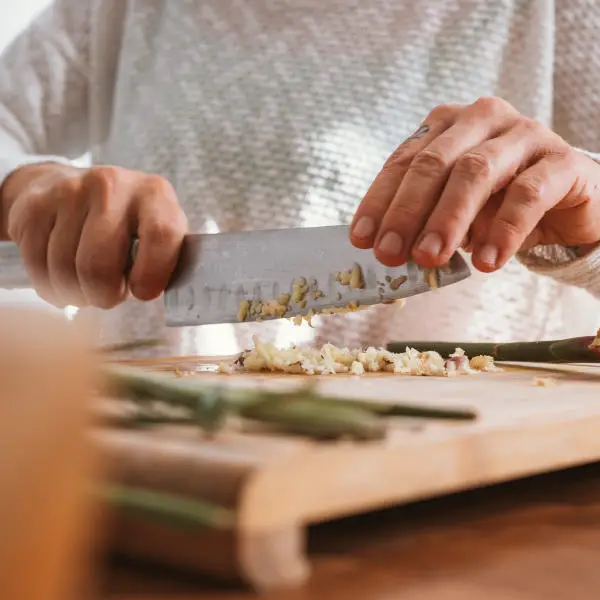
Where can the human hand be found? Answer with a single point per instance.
(74, 228)
(484, 177)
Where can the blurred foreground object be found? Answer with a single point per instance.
(45, 516)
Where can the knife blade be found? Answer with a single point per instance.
(220, 274)
(269, 274)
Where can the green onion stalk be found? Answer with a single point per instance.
(169, 509)
(302, 411)
(573, 350)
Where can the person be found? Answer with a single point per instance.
(220, 115)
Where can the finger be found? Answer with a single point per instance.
(105, 239)
(420, 189)
(535, 191)
(33, 248)
(30, 223)
(474, 177)
(466, 243)
(373, 207)
(161, 226)
(481, 224)
(64, 242)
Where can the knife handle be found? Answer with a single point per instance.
(13, 275)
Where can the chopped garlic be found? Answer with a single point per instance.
(351, 307)
(226, 368)
(431, 277)
(397, 282)
(273, 308)
(300, 290)
(243, 310)
(330, 359)
(357, 281)
(343, 277)
(357, 368)
(352, 278)
(484, 363)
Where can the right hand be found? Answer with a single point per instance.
(74, 228)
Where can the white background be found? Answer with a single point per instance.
(14, 16)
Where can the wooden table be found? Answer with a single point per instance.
(537, 538)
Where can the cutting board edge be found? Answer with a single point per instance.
(465, 464)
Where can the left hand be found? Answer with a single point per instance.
(483, 177)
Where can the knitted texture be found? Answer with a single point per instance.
(279, 114)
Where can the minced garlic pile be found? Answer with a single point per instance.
(330, 359)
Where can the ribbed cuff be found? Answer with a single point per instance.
(583, 272)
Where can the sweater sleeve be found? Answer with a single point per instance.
(576, 119)
(44, 91)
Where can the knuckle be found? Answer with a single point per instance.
(444, 112)
(93, 268)
(474, 165)
(399, 214)
(105, 176)
(429, 163)
(36, 205)
(163, 231)
(401, 159)
(509, 226)
(493, 105)
(66, 189)
(156, 185)
(62, 272)
(564, 152)
(449, 220)
(526, 191)
(32, 213)
(103, 183)
(531, 127)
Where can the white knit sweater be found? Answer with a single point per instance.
(279, 114)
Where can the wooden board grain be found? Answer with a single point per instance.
(279, 484)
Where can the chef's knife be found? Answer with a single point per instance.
(262, 275)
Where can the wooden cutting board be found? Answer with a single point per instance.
(278, 485)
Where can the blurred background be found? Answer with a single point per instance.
(13, 18)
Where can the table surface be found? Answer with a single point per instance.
(537, 538)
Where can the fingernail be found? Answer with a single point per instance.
(488, 255)
(391, 244)
(431, 244)
(364, 228)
